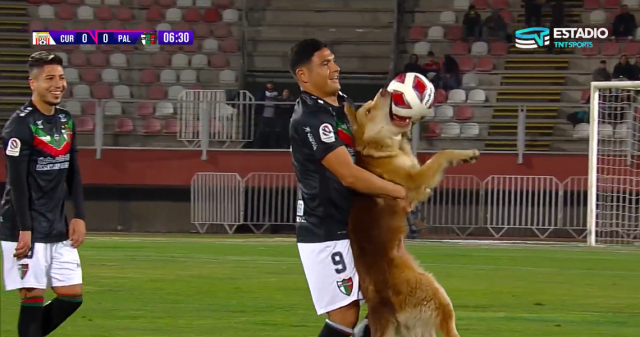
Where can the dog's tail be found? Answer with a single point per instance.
(448, 322)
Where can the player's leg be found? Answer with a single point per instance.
(334, 285)
(66, 282)
(29, 277)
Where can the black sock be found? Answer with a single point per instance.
(331, 329)
(58, 310)
(30, 319)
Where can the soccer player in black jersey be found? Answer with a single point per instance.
(324, 160)
(39, 247)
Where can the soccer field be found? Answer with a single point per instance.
(248, 287)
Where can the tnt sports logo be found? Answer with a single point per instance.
(531, 38)
(540, 37)
(42, 39)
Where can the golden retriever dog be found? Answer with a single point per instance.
(402, 298)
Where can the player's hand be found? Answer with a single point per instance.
(77, 231)
(23, 246)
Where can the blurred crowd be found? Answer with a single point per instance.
(272, 115)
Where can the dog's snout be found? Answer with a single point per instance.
(384, 92)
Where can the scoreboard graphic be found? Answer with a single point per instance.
(80, 37)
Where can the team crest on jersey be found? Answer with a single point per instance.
(345, 286)
(326, 133)
(23, 269)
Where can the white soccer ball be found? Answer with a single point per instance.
(412, 96)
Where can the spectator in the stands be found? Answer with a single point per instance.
(623, 69)
(636, 67)
(284, 112)
(495, 26)
(601, 74)
(450, 73)
(265, 121)
(432, 69)
(533, 12)
(413, 66)
(472, 22)
(624, 25)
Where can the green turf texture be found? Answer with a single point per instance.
(209, 286)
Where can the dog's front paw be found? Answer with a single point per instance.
(473, 156)
(464, 156)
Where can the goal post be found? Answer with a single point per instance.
(613, 204)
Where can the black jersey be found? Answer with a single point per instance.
(41, 158)
(317, 128)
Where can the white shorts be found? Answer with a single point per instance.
(50, 265)
(331, 274)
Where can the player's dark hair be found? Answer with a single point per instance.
(40, 59)
(302, 53)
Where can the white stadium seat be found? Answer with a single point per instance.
(111, 3)
(633, 4)
(72, 75)
(470, 130)
(210, 46)
(621, 132)
(173, 93)
(479, 48)
(81, 91)
(85, 13)
(461, 4)
(164, 109)
(118, 60)
(121, 92)
(447, 18)
(88, 47)
(228, 76)
(74, 107)
(93, 3)
(188, 76)
(179, 61)
(164, 26)
(110, 75)
(46, 12)
(199, 61)
(456, 96)
(597, 17)
(230, 15)
(184, 3)
(112, 108)
(173, 15)
(64, 57)
(435, 33)
(477, 96)
(444, 112)
(470, 80)
(581, 131)
(606, 131)
(450, 129)
(168, 76)
(421, 48)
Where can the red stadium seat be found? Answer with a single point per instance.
(460, 48)
(500, 4)
(171, 126)
(37, 25)
(417, 33)
(144, 109)
(181, 26)
(124, 125)
(593, 51)
(54, 2)
(218, 61)
(145, 3)
(145, 26)
(106, 48)
(34, 2)
(498, 48)
(465, 64)
(89, 108)
(484, 64)
(192, 15)
(89, 75)
(84, 124)
(64, 12)
(507, 16)
(115, 25)
(229, 46)
(101, 91)
(453, 33)
(166, 3)
(78, 59)
(104, 13)
(170, 48)
(152, 126)
(148, 76)
(481, 4)
(98, 59)
(202, 30)
(222, 31)
(74, 3)
(463, 113)
(591, 4)
(441, 96)
(160, 60)
(611, 4)
(156, 93)
(192, 48)
(610, 49)
(224, 4)
(154, 14)
(432, 130)
(631, 48)
(584, 98)
(127, 48)
(211, 15)
(56, 25)
(124, 14)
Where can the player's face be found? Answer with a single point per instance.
(48, 84)
(324, 73)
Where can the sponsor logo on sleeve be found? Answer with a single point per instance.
(13, 147)
(326, 133)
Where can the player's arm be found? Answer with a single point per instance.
(332, 153)
(18, 141)
(74, 179)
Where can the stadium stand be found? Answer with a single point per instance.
(136, 88)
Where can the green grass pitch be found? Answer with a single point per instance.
(246, 287)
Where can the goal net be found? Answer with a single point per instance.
(614, 163)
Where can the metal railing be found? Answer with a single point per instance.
(539, 207)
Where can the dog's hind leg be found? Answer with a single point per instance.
(381, 325)
(448, 322)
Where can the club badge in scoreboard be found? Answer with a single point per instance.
(80, 37)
